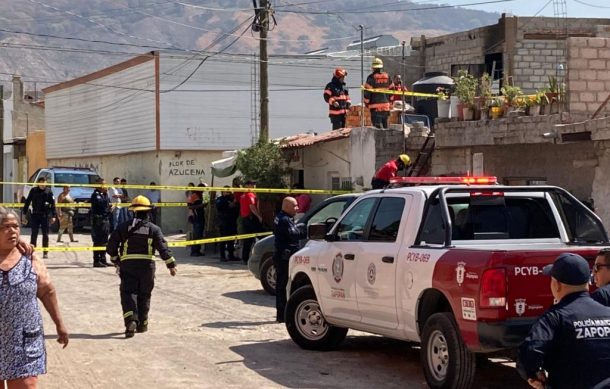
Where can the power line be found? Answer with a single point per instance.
(591, 5)
(430, 8)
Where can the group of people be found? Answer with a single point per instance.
(336, 95)
(569, 345)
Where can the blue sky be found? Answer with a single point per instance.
(575, 8)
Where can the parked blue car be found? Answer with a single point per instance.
(261, 258)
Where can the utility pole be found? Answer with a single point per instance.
(2, 142)
(264, 80)
(361, 27)
(402, 117)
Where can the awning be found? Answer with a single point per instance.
(224, 167)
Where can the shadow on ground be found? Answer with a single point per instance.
(361, 362)
(253, 297)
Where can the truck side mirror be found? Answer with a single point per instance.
(317, 231)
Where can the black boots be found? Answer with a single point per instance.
(130, 329)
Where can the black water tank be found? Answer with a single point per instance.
(428, 84)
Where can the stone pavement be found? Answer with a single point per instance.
(210, 326)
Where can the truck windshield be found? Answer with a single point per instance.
(75, 178)
(499, 218)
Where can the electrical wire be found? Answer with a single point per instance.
(591, 5)
(431, 8)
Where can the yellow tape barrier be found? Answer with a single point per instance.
(194, 188)
(182, 243)
(400, 93)
(88, 205)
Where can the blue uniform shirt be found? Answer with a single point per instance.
(100, 204)
(602, 295)
(571, 341)
(287, 233)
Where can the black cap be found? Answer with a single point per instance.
(250, 182)
(570, 269)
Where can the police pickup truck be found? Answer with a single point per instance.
(454, 263)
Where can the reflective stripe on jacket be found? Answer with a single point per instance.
(377, 101)
(336, 91)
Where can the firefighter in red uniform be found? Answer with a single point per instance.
(378, 103)
(397, 86)
(337, 97)
(387, 171)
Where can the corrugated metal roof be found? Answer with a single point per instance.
(303, 140)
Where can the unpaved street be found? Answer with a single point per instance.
(210, 327)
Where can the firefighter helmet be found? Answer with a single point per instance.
(377, 63)
(140, 203)
(340, 72)
(404, 158)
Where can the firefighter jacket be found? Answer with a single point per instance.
(138, 240)
(377, 101)
(397, 88)
(42, 200)
(336, 92)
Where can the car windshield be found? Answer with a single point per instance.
(75, 178)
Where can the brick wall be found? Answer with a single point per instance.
(588, 77)
(535, 61)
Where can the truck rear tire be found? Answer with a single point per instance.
(306, 324)
(446, 360)
(268, 276)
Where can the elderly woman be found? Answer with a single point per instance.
(23, 279)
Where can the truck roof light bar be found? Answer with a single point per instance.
(463, 180)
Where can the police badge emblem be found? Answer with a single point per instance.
(520, 306)
(371, 274)
(460, 270)
(338, 267)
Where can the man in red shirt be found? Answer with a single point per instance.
(387, 171)
(251, 218)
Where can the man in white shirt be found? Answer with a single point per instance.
(115, 195)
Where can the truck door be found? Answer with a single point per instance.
(376, 268)
(337, 269)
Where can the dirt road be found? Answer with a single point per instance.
(211, 326)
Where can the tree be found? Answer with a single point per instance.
(265, 164)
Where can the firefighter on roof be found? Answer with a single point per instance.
(377, 103)
(337, 97)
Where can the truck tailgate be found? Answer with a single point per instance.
(528, 290)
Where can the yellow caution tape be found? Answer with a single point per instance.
(181, 243)
(400, 93)
(88, 205)
(195, 188)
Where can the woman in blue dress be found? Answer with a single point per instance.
(23, 279)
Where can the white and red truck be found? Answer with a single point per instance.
(454, 263)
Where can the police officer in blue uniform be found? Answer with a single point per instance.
(287, 235)
(601, 276)
(571, 342)
(100, 222)
(43, 206)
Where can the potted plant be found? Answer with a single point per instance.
(486, 96)
(442, 103)
(466, 90)
(510, 93)
(496, 110)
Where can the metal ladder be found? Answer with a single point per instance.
(421, 162)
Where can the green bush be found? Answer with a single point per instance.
(265, 164)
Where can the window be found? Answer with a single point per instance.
(487, 217)
(582, 227)
(352, 226)
(341, 183)
(334, 209)
(75, 178)
(387, 219)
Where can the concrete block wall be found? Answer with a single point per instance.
(389, 144)
(468, 47)
(588, 77)
(536, 60)
(507, 131)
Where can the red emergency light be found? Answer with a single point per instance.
(467, 180)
